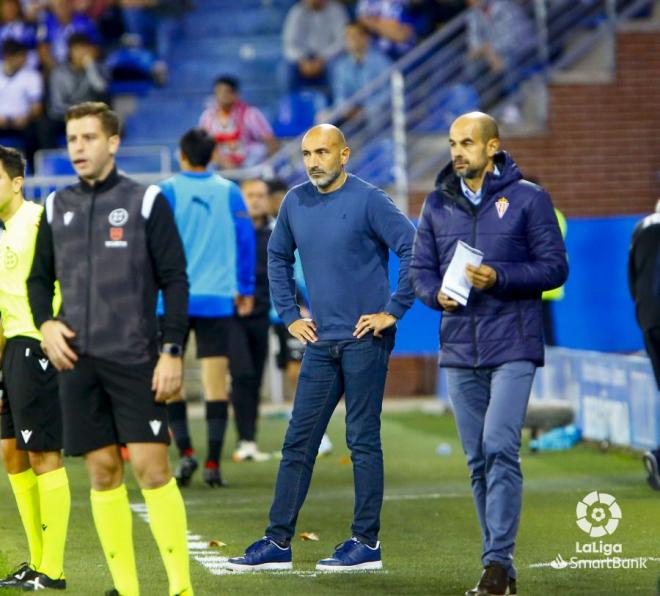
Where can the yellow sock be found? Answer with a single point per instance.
(167, 518)
(55, 505)
(114, 525)
(26, 493)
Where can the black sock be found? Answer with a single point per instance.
(216, 422)
(176, 412)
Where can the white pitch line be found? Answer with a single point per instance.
(198, 547)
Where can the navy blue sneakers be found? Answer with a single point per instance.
(352, 555)
(263, 555)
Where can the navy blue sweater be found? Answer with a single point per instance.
(516, 228)
(343, 239)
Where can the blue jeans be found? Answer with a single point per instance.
(489, 406)
(330, 369)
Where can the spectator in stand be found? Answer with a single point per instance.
(391, 23)
(361, 64)
(77, 80)
(243, 135)
(21, 92)
(14, 26)
(155, 23)
(313, 36)
(55, 27)
(501, 37)
(109, 19)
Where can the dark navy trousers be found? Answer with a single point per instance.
(330, 369)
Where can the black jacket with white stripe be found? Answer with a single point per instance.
(111, 247)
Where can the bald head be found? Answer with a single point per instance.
(481, 123)
(325, 154)
(325, 133)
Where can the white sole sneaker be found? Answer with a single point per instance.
(370, 566)
(261, 567)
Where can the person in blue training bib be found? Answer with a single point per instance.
(219, 242)
(343, 229)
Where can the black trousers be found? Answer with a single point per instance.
(652, 343)
(247, 358)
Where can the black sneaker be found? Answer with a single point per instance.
(651, 465)
(40, 581)
(495, 581)
(185, 469)
(16, 577)
(212, 475)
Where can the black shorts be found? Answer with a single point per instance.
(212, 335)
(106, 403)
(291, 348)
(30, 404)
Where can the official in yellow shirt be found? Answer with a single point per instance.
(30, 416)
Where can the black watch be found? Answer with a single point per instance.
(172, 349)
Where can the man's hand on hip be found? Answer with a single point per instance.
(304, 330)
(376, 322)
(482, 277)
(55, 346)
(167, 378)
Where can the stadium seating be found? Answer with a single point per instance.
(250, 48)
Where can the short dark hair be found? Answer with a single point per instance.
(12, 161)
(228, 80)
(197, 147)
(277, 185)
(109, 120)
(79, 38)
(13, 47)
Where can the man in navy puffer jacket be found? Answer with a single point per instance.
(492, 346)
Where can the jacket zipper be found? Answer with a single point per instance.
(472, 317)
(89, 270)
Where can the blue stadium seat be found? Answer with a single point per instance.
(296, 112)
(52, 163)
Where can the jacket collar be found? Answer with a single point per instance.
(112, 179)
(449, 184)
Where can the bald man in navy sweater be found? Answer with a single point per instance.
(343, 229)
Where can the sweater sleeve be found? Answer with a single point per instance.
(425, 267)
(169, 261)
(547, 265)
(41, 281)
(246, 246)
(281, 259)
(398, 233)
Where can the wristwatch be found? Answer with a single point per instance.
(171, 349)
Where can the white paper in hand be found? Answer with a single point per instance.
(455, 283)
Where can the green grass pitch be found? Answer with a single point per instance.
(430, 537)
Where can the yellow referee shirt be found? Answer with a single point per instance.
(17, 245)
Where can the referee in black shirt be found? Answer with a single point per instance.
(112, 244)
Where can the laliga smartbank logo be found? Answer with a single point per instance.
(598, 515)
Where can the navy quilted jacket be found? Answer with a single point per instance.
(516, 228)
